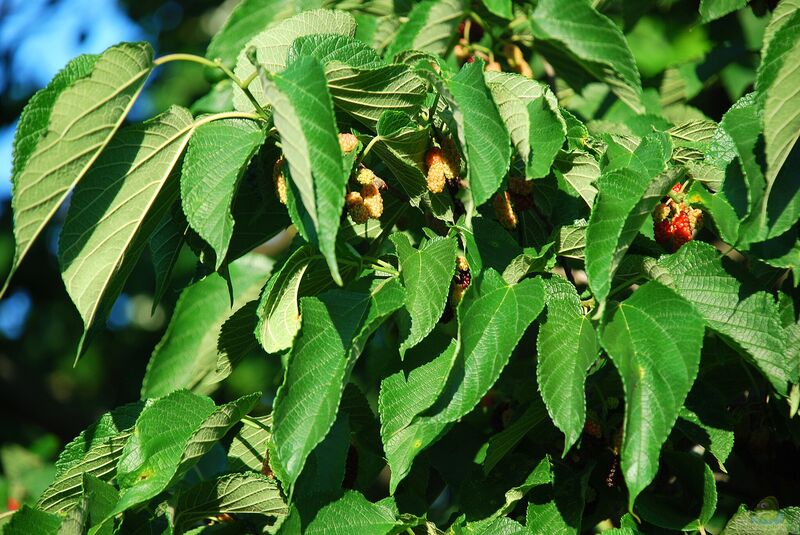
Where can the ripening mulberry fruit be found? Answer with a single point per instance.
(504, 210)
(355, 207)
(442, 168)
(365, 176)
(520, 191)
(661, 212)
(493, 66)
(475, 30)
(372, 200)
(593, 429)
(279, 180)
(662, 231)
(681, 229)
(674, 223)
(695, 218)
(456, 295)
(348, 142)
(520, 186)
(462, 264)
(461, 52)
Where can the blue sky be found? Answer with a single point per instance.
(43, 39)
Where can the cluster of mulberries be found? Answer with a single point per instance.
(442, 168)
(279, 180)
(367, 202)
(518, 197)
(674, 223)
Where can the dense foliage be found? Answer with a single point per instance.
(532, 286)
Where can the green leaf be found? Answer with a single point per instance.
(304, 117)
(766, 521)
(170, 436)
(248, 449)
(216, 158)
(164, 247)
(352, 514)
(258, 214)
(496, 526)
(273, 44)
(693, 134)
(95, 452)
(278, 316)
(248, 18)
(186, 356)
(107, 426)
(481, 131)
(530, 261)
(750, 323)
(29, 520)
(547, 135)
(366, 93)
(100, 461)
(739, 136)
(580, 170)
(229, 494)
(718, 441)
(503, 442)
(777, 80)
(426, 274)
(572, 240)
(490, 327)
(359, 81)
(715, 9)
(64, 128)
(431, 27)
(624, 201)
(594, 41)
(489, 245)
(335, 48)
(563, 499)
(501, 8)
(780, 16)
(696, 479)
(512, 93)
(486, 346)
(117, 207)
(401, 399)
(567, 347)
(335, 327)
(100, 497)
(654, 339)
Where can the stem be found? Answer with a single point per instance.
(184, 57)
(477, 18)
(217, 64)
(373, 265)
(228, 115)
(244, 85)
(625, 284)
(368, 148)
(250, 422)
